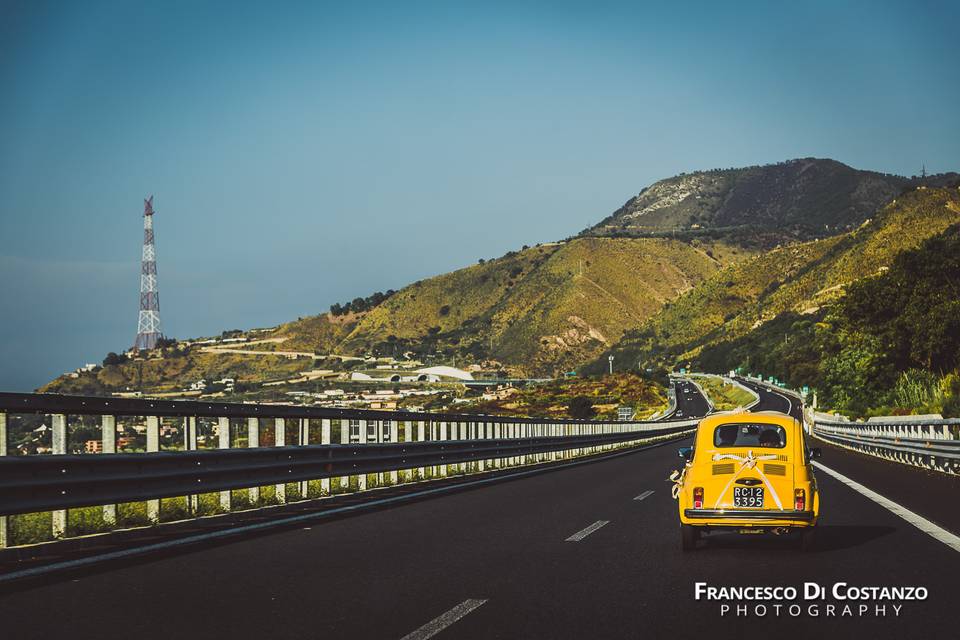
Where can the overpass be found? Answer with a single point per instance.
(559, 530)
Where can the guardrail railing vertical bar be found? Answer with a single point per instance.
(108, 444)
(190, 444)
(153, 446)
(344, 439)
(443, 437)
(421, 436)
(4, 524)
(280, 440)
(325, 439)
(223, 442)
(364, 432)
(303, 439)
(392, 429)
(253, 441)
(480, 431)
(59, 443)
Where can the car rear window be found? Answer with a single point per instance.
(750, 435)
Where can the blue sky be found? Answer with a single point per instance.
(306, 153)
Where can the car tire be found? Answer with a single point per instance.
(808, 539)
(688, 537)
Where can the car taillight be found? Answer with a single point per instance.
(698, 497)
(800, 499)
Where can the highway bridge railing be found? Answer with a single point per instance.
(931, 443)
(289, 453)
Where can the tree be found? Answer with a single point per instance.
(444, 310)
(114, 359)
(163, 342)
(581, 408)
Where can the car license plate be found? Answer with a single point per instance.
(748, 496)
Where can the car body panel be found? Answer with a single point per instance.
(778, 470)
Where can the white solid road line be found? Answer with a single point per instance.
(583, 533)
(440, 623)
(918, 521)
(645, 494)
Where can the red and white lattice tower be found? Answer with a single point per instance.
(148, 324)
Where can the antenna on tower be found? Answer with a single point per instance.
(923, 171)
(148, 322)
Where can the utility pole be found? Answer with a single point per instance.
(148, 323)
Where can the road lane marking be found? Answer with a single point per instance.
(441, 622)
(645, 494)
(932, 530)
(583, 533)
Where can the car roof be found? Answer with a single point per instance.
(735, 417)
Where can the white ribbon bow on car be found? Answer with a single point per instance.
(747, 462)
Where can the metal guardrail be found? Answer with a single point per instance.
(776, 388)
(929, 443)
(43, 483)
(421, 445)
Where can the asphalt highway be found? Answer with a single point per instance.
(589, 551)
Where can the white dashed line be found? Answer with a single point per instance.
(918, 521)
(440, 623)
(583, 533)
(645, 494)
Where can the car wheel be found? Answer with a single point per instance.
(808, 537)
(688, 537)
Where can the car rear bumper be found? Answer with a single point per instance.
(738, 517)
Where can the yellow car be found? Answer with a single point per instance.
(749, 473)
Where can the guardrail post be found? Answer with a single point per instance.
(223, 442)
(303, 439)
(190, 444)
(108, 444)
(325, 439)
(364, 434)
(253, 441)
(59, 442)
(481, 434)
(392, 432)
(378, 438)
(280, 440)
(344, 439)
(497, 462)
(457, 433)
(421, 436)
(153, 446)
(553, 434)
(442, 437)
(4, 533)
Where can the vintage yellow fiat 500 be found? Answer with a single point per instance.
(749, 473)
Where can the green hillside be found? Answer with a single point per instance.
(541, 310)
(797, 279)
(890, 345)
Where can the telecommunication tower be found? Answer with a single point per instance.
(148, 323)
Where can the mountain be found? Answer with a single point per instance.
(794, 200)
(797, 279)
(541, 310)
(690, 262)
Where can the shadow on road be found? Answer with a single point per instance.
(835, 537)
(829, 538)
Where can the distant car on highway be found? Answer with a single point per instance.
(748, 473)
